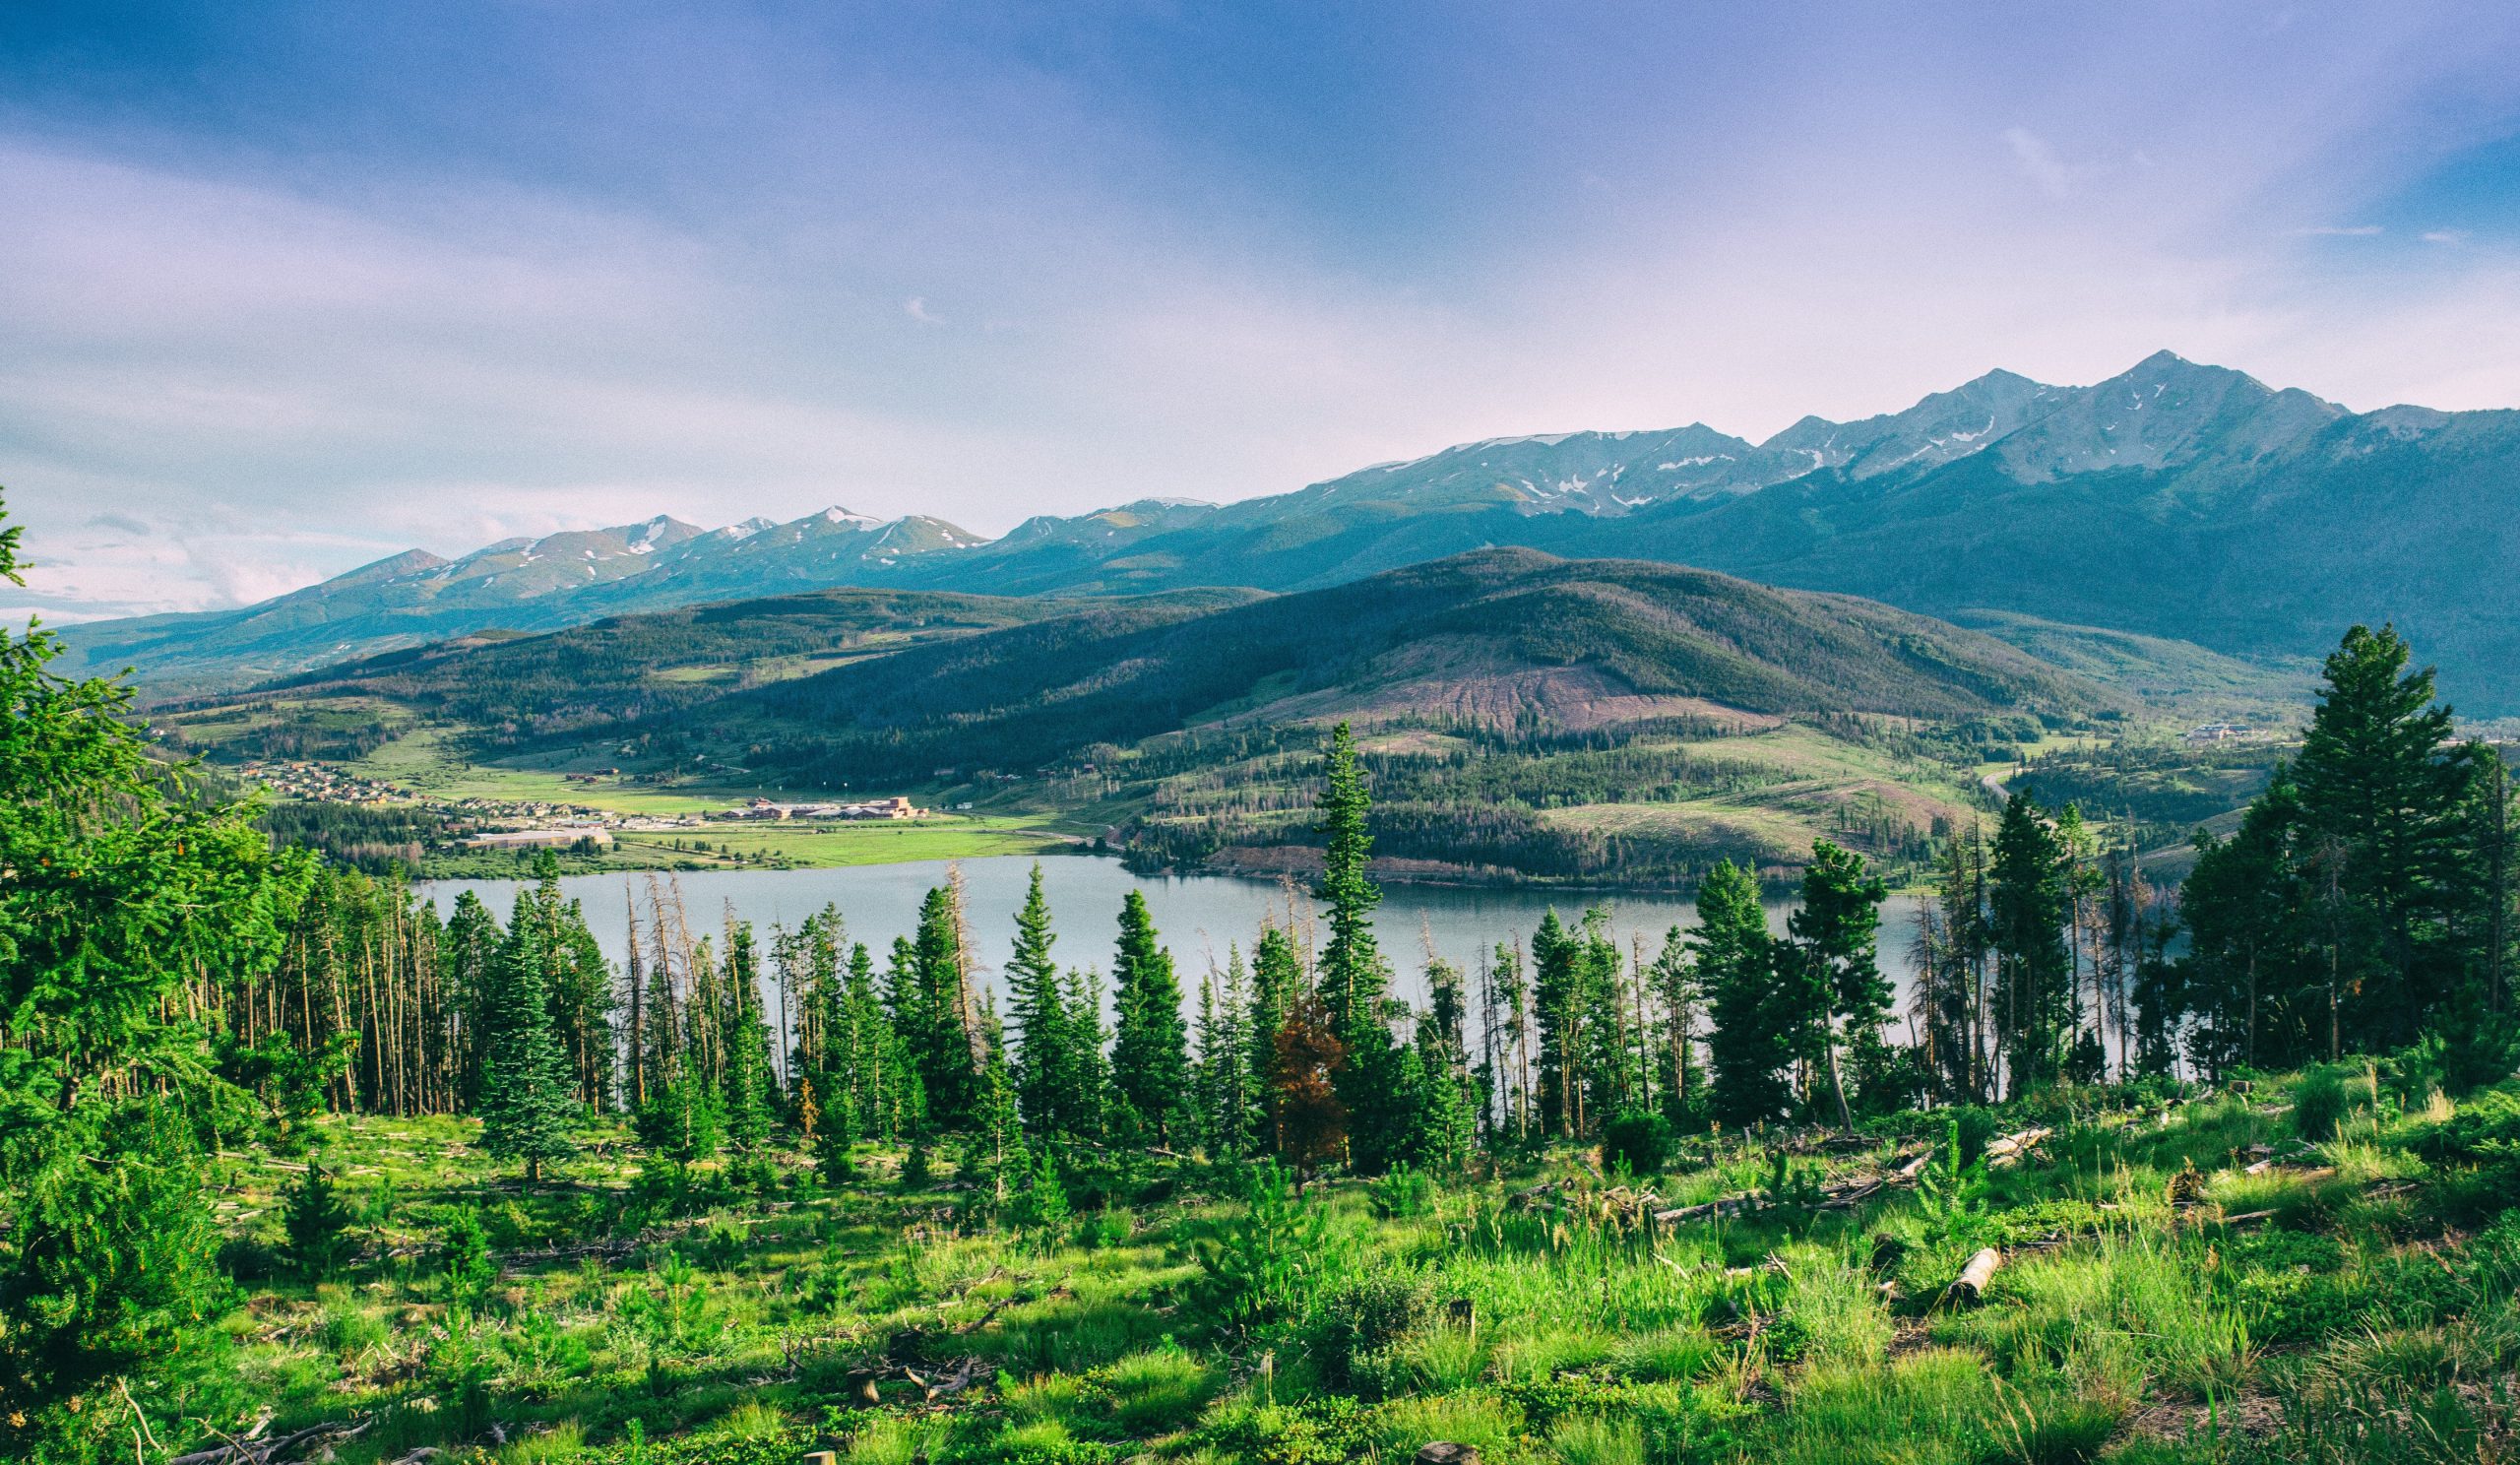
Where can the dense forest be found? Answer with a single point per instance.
(179, 990)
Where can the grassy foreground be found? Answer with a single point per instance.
(2317, 1269)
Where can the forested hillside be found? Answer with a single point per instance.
(1533, 718)
(1510, 637)
(625, 669)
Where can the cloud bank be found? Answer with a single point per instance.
(280, 295)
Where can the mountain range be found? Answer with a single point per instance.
(2175, 499)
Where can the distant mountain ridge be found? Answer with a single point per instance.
(2174, 499)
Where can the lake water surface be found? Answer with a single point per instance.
(1198, 915)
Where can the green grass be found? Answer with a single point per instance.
(2119, 1328)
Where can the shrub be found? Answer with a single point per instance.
(1362, 1323)
(1640, 1139)
(1267, 1261)
(464, 1250)
(2320, 1104)
(1042, 1205)
(1403, 1192)
(318, 1225)
(1103, 1229)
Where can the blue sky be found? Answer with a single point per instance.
(285, 288)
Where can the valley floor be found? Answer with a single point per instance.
(2279, 1273)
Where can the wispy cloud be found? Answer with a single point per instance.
(1196, 251)
(2038, 162)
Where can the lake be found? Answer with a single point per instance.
(1198, 915)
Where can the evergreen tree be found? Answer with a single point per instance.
(1277, 976)
(1736, 963)
(471, 945)
(123, 887)
(317, 1224)
(1558, 972)
(1005, 1165)
(1043, 1060)
(1089, 1089)
(1353, 976)
(941, 1026)
(2029, 903)
(1837, 928)
(749, 1085)
(2382, 786)
(2247, 908)
(1675, 980)
(1443, 1121)
(1149, 1051)
(525, 1101)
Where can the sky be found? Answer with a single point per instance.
(286, 289)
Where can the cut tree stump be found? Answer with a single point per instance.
(1970, 1287)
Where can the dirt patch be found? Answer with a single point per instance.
(2253, 1414)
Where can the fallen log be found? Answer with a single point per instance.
(1970, 1287)
(2011, 1147)
(1726, 1206)
(252, 1452)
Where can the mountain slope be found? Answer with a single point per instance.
(1509, 636)
(2242, 518)
(585, 680)
(416, 598)
(2174, 499)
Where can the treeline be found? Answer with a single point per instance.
(375, 838)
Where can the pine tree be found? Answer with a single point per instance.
(1305, 1112)
(1737, 961)
(1837, 931)
(940, 1025)
(2382, 786)
(317, 1224)
(1277, 975)
(1090, 1091)
(1043, 1060)
(1149, 1051)
(526, 1103)
(1674, 980)
(1353, 976)
(1005, 1163)
(748, 1085)
(1559, 972)
(129, 899)
(2029, 903)
(471, 944)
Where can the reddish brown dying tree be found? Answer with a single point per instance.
(1304, 1113)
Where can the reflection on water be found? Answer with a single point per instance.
(1198, 915)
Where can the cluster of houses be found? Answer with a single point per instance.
(895, 808)
(536, 824)
(314, 781)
